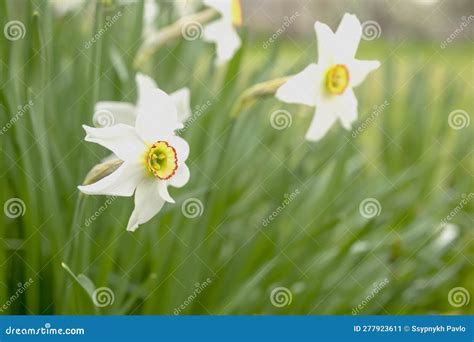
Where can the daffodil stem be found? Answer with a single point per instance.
(170, 33)
(255, 92)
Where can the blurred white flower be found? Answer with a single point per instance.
(328, 84)
(222, 31)
(63, 7)
(153, 156)
(186, 7)
(150, 12)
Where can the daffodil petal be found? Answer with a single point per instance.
(181, 176)
(360, 69)
(322, 122)
(181, 146)
(326, 44)
(121, 139)
(163, 191)
(303, 88)
(147, 203)
(120, 112)
(156, 112)
(348, 35)
(346, 108)
(181, 99)
(227, 41)
(121, 182)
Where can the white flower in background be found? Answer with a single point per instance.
(186, 7)
(153, 156)
(63, 7)
(150, 12)
(328, 84)
(222, 31)
(126, 113)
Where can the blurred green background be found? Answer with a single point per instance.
(319, 255)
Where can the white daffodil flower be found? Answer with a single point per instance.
(222, 31)
(153, 156)
(328, 84)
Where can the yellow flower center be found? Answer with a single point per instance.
(337, 79)
(236, 10)
(161, 160)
